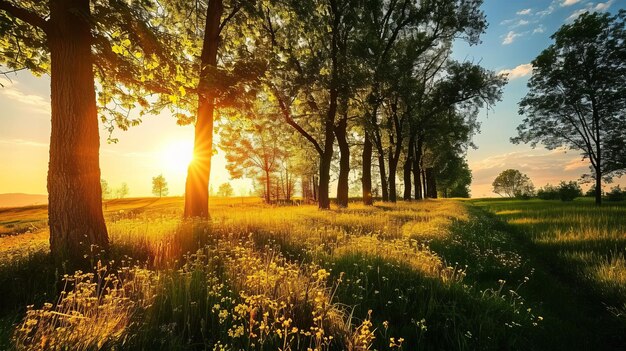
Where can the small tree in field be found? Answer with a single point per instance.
(513, 183)
(225, 190)
(159, 186)
(122, 191)
(106, 190)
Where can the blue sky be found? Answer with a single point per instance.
(518, 31)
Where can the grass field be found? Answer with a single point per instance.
(430, 275)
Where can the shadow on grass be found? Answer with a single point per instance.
(574, 306)
(427, 312)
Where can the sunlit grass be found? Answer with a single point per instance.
(290, 278)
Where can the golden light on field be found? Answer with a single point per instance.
(176, 156)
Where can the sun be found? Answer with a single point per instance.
(176, 155)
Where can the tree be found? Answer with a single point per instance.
(122, 191)
(106, 190)
(214, 74)
(76, 42)
(568, 191)
(159, 186)
(577, 96)
(58, 35)
(225, 190)
(255, 146)
(513, 183)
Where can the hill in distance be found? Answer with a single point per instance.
(20, 200)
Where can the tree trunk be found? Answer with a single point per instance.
(598, 192)
(75, 215)
(323, 196)
(417, 170)
(393, 168)
(431, 184)
(366, 180)
(326, 156)
(424, 183)
(408, 163)
(344, 162)
(199, 171)
(268, 187)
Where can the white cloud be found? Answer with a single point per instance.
(603, 6)
(35, 103)
(569, 2)
(521, 23)
(539, 29)
(518, 72)
(599, 7)
(524, 12)
(510, 37)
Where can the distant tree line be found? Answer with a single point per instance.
(512, 183)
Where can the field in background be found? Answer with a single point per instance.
(429, 275)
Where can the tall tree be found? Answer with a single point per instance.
(197, 185)
(307, 40)
(577, 94)
(431, 25)
(211, 66)
(75, 196)
(77, 41)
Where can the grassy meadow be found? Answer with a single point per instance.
(427, 275)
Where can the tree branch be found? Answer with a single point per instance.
(24, 15)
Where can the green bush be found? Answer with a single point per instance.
(568, 191)
(616, 194)
(548, 192)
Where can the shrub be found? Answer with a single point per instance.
(548, 192)
(616, 194)
(568, 191)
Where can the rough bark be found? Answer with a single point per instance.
(394, 152)
(199, 171)
(383, 176)
(408, 165)
(323, 198)
(366, 180)
(344, 162)
(76, 222)
(431, 184)
(417, 170)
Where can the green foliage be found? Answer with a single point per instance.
(616, 194)
(577, 93)
(106, 190)
(225, 190)
(159, 186)
(548, 192)
(568, 191)
(513, 183)
(122, 191)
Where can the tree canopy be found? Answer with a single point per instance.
(577, 94)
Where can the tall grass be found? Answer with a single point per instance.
(289, 278)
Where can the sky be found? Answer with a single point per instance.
(518, 31)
